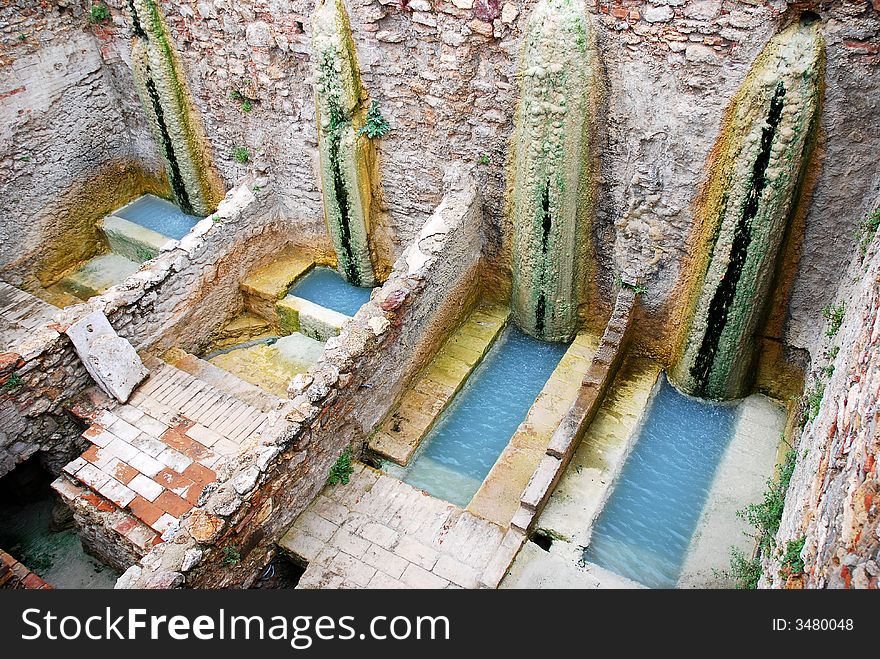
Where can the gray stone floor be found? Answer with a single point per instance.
(379, 532)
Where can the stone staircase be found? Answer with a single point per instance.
(151, 458)
(20, 314)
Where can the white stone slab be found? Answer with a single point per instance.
(111, 360)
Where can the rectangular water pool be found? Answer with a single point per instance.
(158, 215)
(464, 444)
(646, 526)
(326, 287)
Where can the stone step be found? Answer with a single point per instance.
(221, 379)
(152, 457)
(131, 240)
(243, 327)
(267, 285)
(97, 275)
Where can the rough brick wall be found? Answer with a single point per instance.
(834, 497)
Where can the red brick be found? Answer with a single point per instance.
(91, 454)
(32, 581)
(144, 510)
(171, 480)
(172, 504)
(200, 474)
(124, 526)
(93, 431)
(124, 473)
(98, 502)
(193, 493)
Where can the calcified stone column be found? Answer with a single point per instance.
(345, 154)
(553, 183)
(163, 93)
(755, 178)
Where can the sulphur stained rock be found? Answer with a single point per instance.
(553, 178)
(754, 183)
(162, 89)
(346, 155)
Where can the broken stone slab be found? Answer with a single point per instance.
(111, 360)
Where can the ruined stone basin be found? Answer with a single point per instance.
(464, 444)
(647, 524)
(327, 288)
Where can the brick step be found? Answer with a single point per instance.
(222, 379)
(152, 457)
(21, 313)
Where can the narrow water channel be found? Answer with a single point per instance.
(646, 526)
(461, 448)
(159, 215)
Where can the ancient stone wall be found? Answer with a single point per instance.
(833, 501)
(70, 148)
(333, 406)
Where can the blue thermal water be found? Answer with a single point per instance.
(461, 448)
(645, 528)
(158, 215)
(326, 287)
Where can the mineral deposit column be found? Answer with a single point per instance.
(175, 125)
(345, 153)
(753, 187)
(553, 183)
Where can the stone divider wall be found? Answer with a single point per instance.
(568, 434)
(228, 539)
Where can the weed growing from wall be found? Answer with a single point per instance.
(342, 469)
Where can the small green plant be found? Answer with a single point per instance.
(638, 288)
(866, 232)
(375, 125)
(99, 13)
(744, 572)
(13, 382)
(241, 155)
(231, 555)
(342, 469)
(256, 189)
(813, 400)
(792, 563)
(834, 316)
(833, 352)
(765, 516)
(245, 104)
(22, 37)
(485, 159)
(24, 159)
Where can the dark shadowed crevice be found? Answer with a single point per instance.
(546, 226)
(546, 220)
(177, 184)
(719, 308)
(341, 195)
(135, 21)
